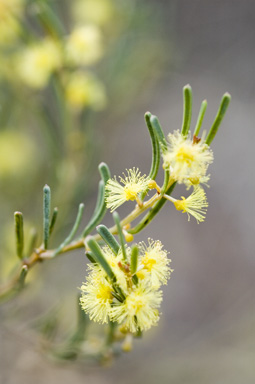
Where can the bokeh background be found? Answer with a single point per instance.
(151, 50)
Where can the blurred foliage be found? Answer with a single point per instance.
(67, 68)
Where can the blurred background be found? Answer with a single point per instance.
(62, 112)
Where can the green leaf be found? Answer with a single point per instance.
(220, 114)
(53, 219)
(155, 148)
(116, 219)
(99, 257)
(71, 235)
(99, 211)
(160, 134)
(134, 258)
(18, 217)
(46, 215)
(108, 238)
(200, 118)
(187, 109)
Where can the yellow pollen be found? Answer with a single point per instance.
(141, 274)
(104, 293)
(185, 154)
(130, 192)
(148, 262)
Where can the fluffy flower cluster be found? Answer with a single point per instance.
(187, 159)
(38, 61)
(133, 299)
(129, 188)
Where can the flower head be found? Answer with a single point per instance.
(196, 204)
(153, 263)
(84, 45)
(139, 310)
(37, 62)
(96, 299)
(83, 89)
(187, 159)
(133, 185)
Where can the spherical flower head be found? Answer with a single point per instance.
(196, 204)
(96, 299)
(133, 185)
(97, 12)
(186, 159)
(139, 311)
(153, 263)
(83, 89)
(83, 46)
(37, 62)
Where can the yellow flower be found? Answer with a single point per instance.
(187, 160)
(84, 45)
(133, 185)
(99, 12)
(140, 309)
(37, 62)
(196, 204)
(83, 89)
(153, 263)
(96, 299)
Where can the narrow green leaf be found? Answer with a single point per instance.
(220, 114)
(116, 219)
(53, 219)
(187, 109)
(134, 258)
(49, 19)
(152, 213)
(104, 172)
(200, 117)
(22, 277)
(108, 238)
(99, 257)
(46, 215)
(18, 217)
(166, 182)
(70, 237)
(159, 131)
(89, 255)
(99, 211)
(155, 148)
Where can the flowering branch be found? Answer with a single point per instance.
(123, 283)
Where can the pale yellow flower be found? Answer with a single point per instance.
(153, 263)
(196, 204)
(133, 185)
(187, 160)
(140, 309)
(97, 12)
(37, 62)
(96, 299)
(83, 89)
(84, 46)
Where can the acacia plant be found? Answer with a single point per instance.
(123, 283)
